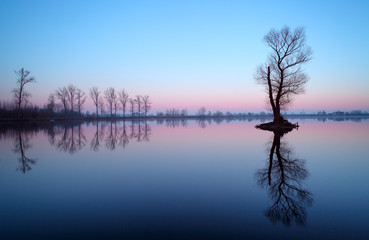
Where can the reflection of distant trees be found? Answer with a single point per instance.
(202, 123)
(97, 138)
(283, 176)
(112, 136)
(68, 137)
(21, 145)
(123, 138)
(115, 134)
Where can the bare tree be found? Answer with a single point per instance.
(51, 103)
(115, 105)
(172, 112)
(101, 105)
(72, 96)
(146, 104)
(111, 98)
(123, 98)
(20, 95)
(282, 75)
(201, 112)
(62, 95)
(94, 94)
(184, 113)
(139, 104)
(132, 103)
(81, 99)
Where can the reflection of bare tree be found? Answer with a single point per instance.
(98, 137)
(112, 137)
(283, 177)
(123, 138)
(81, 140)
(146, 132)
(175, 122)
(172, 122)
(72, 139)
(51, 135)
(140, 130)
(201, 123)
(21, 144)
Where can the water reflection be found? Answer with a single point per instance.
(283, 176)
(68, 137)
(21, 145)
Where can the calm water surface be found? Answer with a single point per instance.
(184, 179)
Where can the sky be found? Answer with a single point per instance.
(184, 54)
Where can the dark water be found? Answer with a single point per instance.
(184, 180)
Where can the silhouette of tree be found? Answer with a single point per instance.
(282, 75)
(62, 94)
(20, 95)
(184, 112)
(132, 103)
(172, 112)
(123, 98)
(139, 104)
(111, 98)
(146, 104)
(95, 94)
(51, 103)
(21, 145)
(81, 99)
(283, 177)
(201, 112)
(72, 96)
(101, 105)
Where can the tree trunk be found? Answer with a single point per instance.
(277, 115)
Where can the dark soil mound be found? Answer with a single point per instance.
(284, 126)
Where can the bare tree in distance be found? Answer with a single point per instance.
(51, 103)
(62, 94)
(282, 74)
(132, 103)
(202, 112)
(110, 97)
(20, 95)
(123, 98)
(72, 96)
(94, 94)
(81, 99)
(115, 105)
(146, 104)
(101, 105)
(172, 112)
(139, 104)
(184, 113)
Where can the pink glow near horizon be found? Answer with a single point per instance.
(254, 101)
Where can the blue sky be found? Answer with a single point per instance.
(184, 54)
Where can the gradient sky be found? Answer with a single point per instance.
(184, 54)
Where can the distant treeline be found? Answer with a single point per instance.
(67, 103)
(9, 111)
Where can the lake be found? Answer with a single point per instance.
(180, 179)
